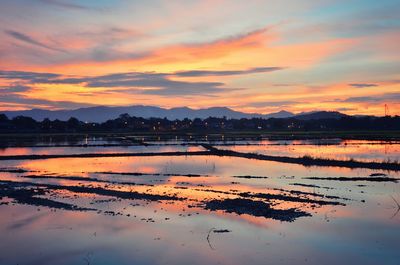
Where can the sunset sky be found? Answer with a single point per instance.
(253, 56)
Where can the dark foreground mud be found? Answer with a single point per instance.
(29, 196)
(249, 177)
(34, 193)
(13, 170)
(131, 195)
(254, 208)
(281, 197)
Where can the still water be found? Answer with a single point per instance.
(198, 209)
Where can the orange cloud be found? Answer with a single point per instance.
(253, 49)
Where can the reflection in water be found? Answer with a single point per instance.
(99, 149)
(160, 210)
(345, 150)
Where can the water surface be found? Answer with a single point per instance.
(335, 222)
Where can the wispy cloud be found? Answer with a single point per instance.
(160, 83)
(149, 83)
(13, 89)
(34, 102)
(362, 85)
(17, 94)
(29, 76)
(65, 4)
(196, 73)
(345, 109)
(388, 97)
(27, 39)
(263, 104)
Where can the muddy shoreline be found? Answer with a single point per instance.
(255, 208)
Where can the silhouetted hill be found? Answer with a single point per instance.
(318, 115)
(103, 113)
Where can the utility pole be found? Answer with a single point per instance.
(386, 110)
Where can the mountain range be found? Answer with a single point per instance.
(104, 113)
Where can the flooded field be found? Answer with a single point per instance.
(363, 150)
(151, 200)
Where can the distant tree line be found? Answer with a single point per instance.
(126, 123)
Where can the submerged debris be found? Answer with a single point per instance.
(378, 175)
(217, 231)
(13, 170)
(311, 186)
(249, 177)
(221, 231)
(132, 195)
(29, 196)
(290, 198)
(254, 208)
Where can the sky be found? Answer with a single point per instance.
(253, 56)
